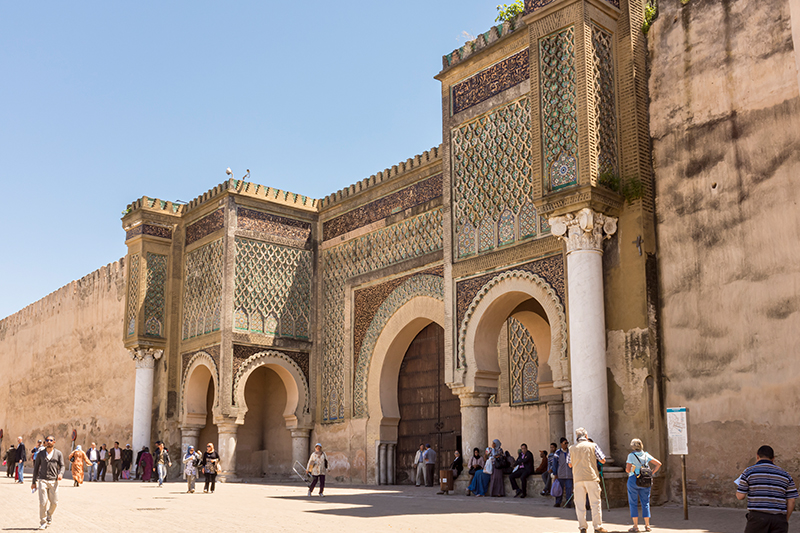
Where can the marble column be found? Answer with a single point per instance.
(143, 395)
(391, 451)
(584, 233)
(189, 437)
(227, 449)
(474, 421)
(566, 393)
(382, 476)
(555, 415)
(300, 448)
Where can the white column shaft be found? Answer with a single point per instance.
(227, 449)
(300, 448)
(143, 406)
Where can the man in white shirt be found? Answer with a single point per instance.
(419, 466)
(94, 457)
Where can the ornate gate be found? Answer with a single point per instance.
(429, 412)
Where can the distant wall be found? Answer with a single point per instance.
(64, 366)
(725, 110)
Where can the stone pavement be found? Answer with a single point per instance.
(135, 506)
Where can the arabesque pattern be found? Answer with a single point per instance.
(559, 110)
(421, 285)
(155, 290)
(605, 115)
(523, 364)
(202, 286)
(407, 239)
(272, 295)
(133, 293)
(491, 161)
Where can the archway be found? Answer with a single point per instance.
(199, 402)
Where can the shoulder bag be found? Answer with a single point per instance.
(644, 478)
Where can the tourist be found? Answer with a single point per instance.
(94, 456)
(20, 462)
(475, 465)
(78, 459)
(10, 460)
(563, 473)
(161, 461)
(191, 461)
(138, 463)
(770, 493)
(127, 461)
(115, 457)
(39, 446)
(48, 470)
(583, 459)
(210, 465)
(523, 467)
(146, 463)
(429, 458)
(633, 466)
(317, 466)
(482, 476)
(497, 483)
(547, 476)
(101, 469)
(419, 466)
(457, 466)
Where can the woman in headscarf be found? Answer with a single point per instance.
(146, 462)
(79, 460)
(210, 464)
(190, 463)
(480, 476)
(496, 487)
(317, 466)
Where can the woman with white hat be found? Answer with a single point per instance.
(317, 467)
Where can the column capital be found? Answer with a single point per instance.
(300, 433)
(145, 357)
(583, 231)
(473, 399)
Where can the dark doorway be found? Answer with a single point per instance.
(429, 411)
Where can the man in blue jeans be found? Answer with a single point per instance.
(563, 473)
(21, 451)
(161, 461)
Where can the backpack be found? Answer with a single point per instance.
(644, 478)
(501, 462)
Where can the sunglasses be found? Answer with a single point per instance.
(49, 440)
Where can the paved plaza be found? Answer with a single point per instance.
(135, 506)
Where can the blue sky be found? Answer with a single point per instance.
(104, 102)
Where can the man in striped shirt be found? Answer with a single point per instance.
(770, 493)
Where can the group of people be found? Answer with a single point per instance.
(195, 462)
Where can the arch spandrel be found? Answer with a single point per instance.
(297, 411)
(486, 314)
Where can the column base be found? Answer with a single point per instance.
(228, 478)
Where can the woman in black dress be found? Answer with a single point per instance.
(210, 464)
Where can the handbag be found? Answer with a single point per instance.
(472, 470)
(217, 467)
(644, 478)
(555, 490)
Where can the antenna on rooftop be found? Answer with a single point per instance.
(246, 175)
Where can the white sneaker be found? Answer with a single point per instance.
(43, 526)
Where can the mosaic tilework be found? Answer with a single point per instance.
(551, 269)
(252, 220)
(147, 229)
(155, 289)
(527, 220)
(491, 162)
(466, 240)
(241, 353)
(133, 293)
(544, 224)
(559, 110)
(366, 302)
(404, 240)
(416, 194)
(202, 290)
(490, 81)
(604, 105)
(523, 364)
(505, 228)
(417, 285)
(272, 295)
(533, 5)
(205, 226)
(486, 238)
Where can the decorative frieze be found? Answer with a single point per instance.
(277, 226)
(205, 226)
(149, 229)
(585, 230)
(155, 294)
(490, 81)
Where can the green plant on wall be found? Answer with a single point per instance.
(507, 12)
(609, 180)
(650, 12)
(632, 189)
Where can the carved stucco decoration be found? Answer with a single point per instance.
(146, 357)
(584, 230)
(549, 300)
(276, 358)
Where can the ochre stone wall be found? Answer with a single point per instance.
(724, 114)
(65, 366)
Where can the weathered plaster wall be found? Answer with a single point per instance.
(65, 366)
(725, 110)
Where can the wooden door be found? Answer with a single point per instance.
(429, 412)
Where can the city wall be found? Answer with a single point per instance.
(724, 118)
(65, 367)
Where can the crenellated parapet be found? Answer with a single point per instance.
(482, 42)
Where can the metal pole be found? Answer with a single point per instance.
(683, 487)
